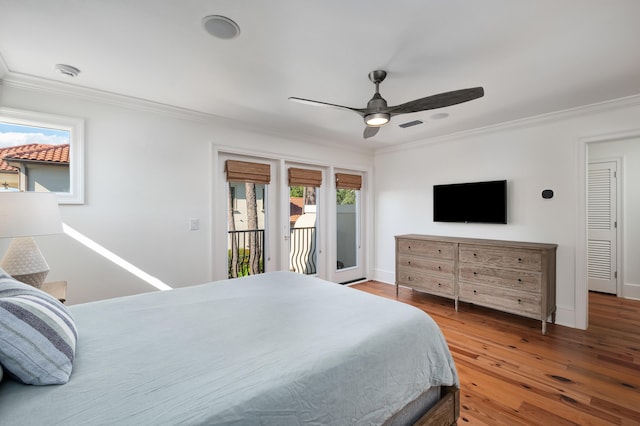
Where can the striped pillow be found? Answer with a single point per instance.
(37, 334)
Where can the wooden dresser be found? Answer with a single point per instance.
(510, 276)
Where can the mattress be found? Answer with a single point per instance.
(272, 349)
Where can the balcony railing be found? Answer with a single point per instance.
(246, 253)
(303, 250)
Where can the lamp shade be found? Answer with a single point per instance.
(26, 214)
(23, 215)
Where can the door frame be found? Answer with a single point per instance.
(581, 310)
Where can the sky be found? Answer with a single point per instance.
(14, 134)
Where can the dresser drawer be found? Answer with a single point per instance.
(436, 249)
(515, 302)
(530, 260)
(425, 264)
(503, 278)
(441, 285)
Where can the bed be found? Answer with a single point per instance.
(273, 349)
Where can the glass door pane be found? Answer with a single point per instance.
(246, 228)
(303, 253)
(347, 228)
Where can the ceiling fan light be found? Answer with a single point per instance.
(377, 119)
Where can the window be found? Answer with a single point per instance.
(42, 152)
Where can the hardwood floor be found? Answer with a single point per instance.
(510, 374)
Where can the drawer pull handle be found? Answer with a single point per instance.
(409, 247)
(520, 301)
(408, 278)
(439, 251)
(475, 273)
(439, 285)
(519, 280)
(439, 268)
(475, 291)
(475, 255)
(519, 259)
(408, 262)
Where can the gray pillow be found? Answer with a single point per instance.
(37, 334)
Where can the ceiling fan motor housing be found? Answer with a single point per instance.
(378, 115)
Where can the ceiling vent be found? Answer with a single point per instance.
(410, 124)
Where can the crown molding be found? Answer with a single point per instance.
(600, 107)
(38, 84)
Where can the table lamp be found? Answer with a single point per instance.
(22, 216)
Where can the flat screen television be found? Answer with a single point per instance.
(473, 202)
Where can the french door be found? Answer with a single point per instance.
(305, 189)
(275, 215)
(325, 223)
(349, 235)
(242, 220)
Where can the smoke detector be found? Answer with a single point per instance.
(68, 70)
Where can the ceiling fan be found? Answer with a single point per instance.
(377, 113)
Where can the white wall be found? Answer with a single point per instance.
(533, 155)
(628, 151)
(148, 171)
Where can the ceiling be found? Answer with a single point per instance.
(531, 57)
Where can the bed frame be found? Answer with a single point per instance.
(439, 408)
(445, 412)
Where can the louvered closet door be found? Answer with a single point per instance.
(602, 235)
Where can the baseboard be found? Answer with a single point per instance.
(631, 291)
(388, 277)
(566, 316)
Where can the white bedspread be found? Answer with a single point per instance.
(272, 349)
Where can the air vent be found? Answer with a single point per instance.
(410, 124)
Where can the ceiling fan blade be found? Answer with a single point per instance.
(440, 100)
(370, 131)
(325, 104)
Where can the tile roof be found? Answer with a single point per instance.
(295, 208)
(34, 152)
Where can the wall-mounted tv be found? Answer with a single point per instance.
(473, 202)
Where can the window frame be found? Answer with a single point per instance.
(75, 127)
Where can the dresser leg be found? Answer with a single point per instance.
(455, 301)
(544, 327)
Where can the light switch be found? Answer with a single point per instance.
(194, 224)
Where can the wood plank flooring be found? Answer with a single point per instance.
(510, 374)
